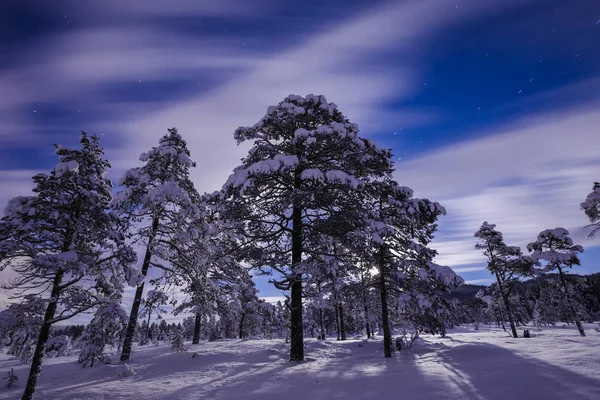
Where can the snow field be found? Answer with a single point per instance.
(555, 363)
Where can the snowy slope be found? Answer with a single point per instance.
(486, 364)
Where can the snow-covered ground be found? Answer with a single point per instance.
(487, 364)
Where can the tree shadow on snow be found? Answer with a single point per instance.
(486, 371)
(344, 370)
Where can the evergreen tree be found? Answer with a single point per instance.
(591, 207)
(20, 325)
(555, 247)
(398, 231)
(158, 199)
(177, 339)
(64, 245)
(110, 319)
(506, 263)
(155, 300)
(306, 162)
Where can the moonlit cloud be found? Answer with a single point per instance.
(107, 74)
(527, 178)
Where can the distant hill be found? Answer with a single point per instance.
(465, 292)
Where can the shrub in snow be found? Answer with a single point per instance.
(10, 378)
(125, 371)
(406, 340)
(60, 344)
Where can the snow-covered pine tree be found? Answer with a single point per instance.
(398, 231)
(556, 249)
(20, 325)
(306, 162)
(177, 339)
(64, 245)
(248, 305)
(155, 300)
(104, 329)
(506, 263)
(591, 207)
(158, 199)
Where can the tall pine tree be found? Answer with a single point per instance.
(306, 162)
(64, 245)
(158, 199)
(555, 247)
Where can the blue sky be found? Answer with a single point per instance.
(490, 106)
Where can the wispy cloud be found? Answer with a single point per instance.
(529, 177)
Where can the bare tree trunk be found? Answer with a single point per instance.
(387, 335)
(148, 326)
(508, 308)
(364, 290)
(321, 325)
(197, 325)
(137, 300)
(342, 326)
(337, 319)
(40, 348)
(570, 303)
(241, 330)
(296, 326)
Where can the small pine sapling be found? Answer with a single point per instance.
(10, 378)
(177, 340)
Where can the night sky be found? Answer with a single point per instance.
(490, 106)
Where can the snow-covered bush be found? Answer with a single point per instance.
(406, 339)
(125, 371)
(61, 344)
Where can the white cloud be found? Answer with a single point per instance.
(340, 62)
(530, 177)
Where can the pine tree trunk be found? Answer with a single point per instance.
(148, 330)
(197, 325)
(508, 308)
(40, 348)
(570, 303)
(342, 327)
(387, 335)
(137, 300)
(296, 327)
(241, 330)
(337, 320)
(321, 325)
(364, 290)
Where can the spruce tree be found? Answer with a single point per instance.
(177, 339)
